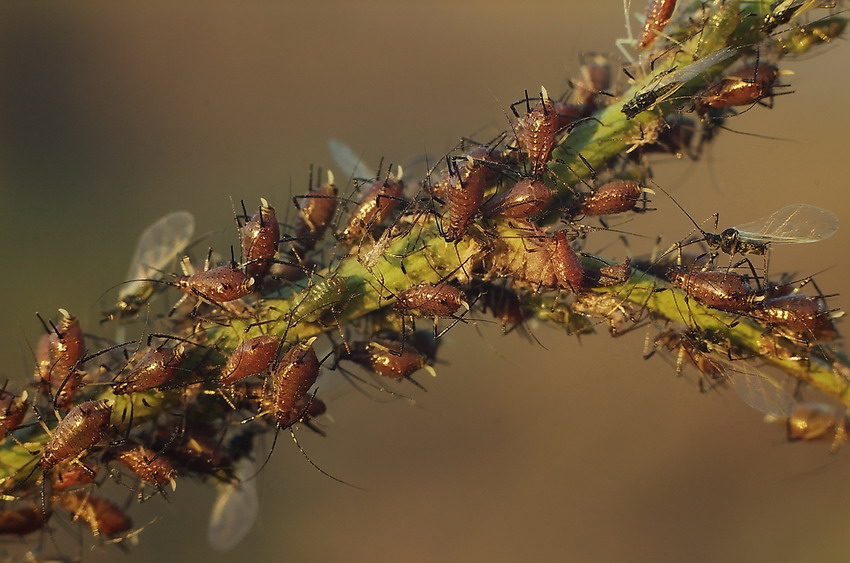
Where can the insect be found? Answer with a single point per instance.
(21, 521)
(260, 235)
(799, 317)
(817, 421)
(292, 378)
(99, 514)
(616, 196)
(389, 359)
(378, 201)
(802, 39)
(727, 291)
(149, 466)
(670, 81)
(315, 212)
(252, 357)
(746, 86)
(524, 199)
(548, 261)
(152, 367)
(158, 246)
(464, 193)
(82, 428)
(536, 130)
(13, 409)
(58, 356)
(431, 300)
(658, 14)
(784, 11)
(68, 475)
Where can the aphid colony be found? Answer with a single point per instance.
(232, 350)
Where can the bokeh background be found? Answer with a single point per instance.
(113, 114)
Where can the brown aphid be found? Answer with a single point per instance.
(259, 241)
(431, 300)
(727, 291)
(293, 376)
(800, 317)
(252, 357)
(377, 203)
(21, 521)
(99, 514)
(83, 427)
(503, 303)
(152, 367)
(747, 86)
(70, 475)
(535, 133)
(388, 359)
(218, 285)
(676, 135)
(58, 355)
(524, 199)
(616, 196)
(658, 14)
(464, 192)
(478, 167)
(595, 78)
(695, 352)
(315, 212)
(13, 409)
(147, 465)
(568, 270)
(198, 450)
(615, 274)
(547, 261)
(817, 421)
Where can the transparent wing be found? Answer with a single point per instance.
(350, 164)
(759, 390)
(793, 224)
(158, 245)
(235, 509)
(688, 73)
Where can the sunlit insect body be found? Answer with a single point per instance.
(69, 475)
(747, 86)
(800, 317)
(696, 352)
(548, 261)
(158, 246)
(58, 357)
(293, 376)
(430, 300)
(463, 188)
(817, 421)
(614, 274)
(21, 521)
(325, 296)
(149, 466)
(784, 11)
(523, 200)
(616, 196)
(252, 357)
(378, 201)
(81, 429)
(670, 82)
(569, 272)
(802, 39)
(151, 368)
(259, 241)
(199, 450)
(535, 133)
(315, 213)
(99, 514)
(217, 285)
(658, 14)
(727, 291)
(13, 409)
(389, 359)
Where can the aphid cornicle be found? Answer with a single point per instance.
(153, 367)
(524, 199)
(21, 521)
(658, 14)
(616, 196)
(99, 514)
(431, 300)
(259, 241)
(293, 376)
(147, 465)
(252, 357)
(378, 201)
(13, 409)
(82, 428)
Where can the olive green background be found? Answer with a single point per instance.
(113, 114)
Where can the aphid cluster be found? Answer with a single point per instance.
(503, 228)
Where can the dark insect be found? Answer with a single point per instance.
(21, 521)
(216, 285)
(58, 356)
(83, 427)
(13, 409)
(464, 188)
(252, 357)
(293, 376)
(569, 272)
(259, 241)
(524, 199)
(504, 304)
(536, 131)
(547, 261)
(315, 212)
(376, 204)
(616, 196)
(69, 475)
(658, 14)
(696, 352)
(99, 514)
(595, 79)
(431, 300)
(151, 368)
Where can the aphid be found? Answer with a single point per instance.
(536, 131)
(151, 368)
(614, 274)
(475, 170)
(252, 357)
(315, 212)
(595, 78)
(292, 378)
(671, 81)
(616, 196)
(69, 475)
(58, 356)
(747, 86)
(784, 11)
(376, 204)
(21, 521)
(801, 40)
(259, 241)
(817, 421)
(695, 351)
(147, 465)
(83, 427)
(800, 317)
(723, 290)
(547, 261)
(158, 246)
(675, 137)
(322, 297)
(13, 409)
(198, 450)
(99, 514)
(389, 359)
(524, 199)
(503, 303)
(658, 14)
(216, 285)
(569, 272)
(431, 300)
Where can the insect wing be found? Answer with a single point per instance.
(760, 391)
(158, 245)
(793, 224)
(349, 163)
(235, 509)
(688, 73)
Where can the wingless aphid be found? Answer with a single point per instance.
(81, 429)
(658, 14)
(101, 515)
(21, 521)
(260, 235)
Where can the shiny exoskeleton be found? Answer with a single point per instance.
(817, 421)
(13, 409)
(259, 241)
(616, 196)
(252, 357)
(430, 300)
(388, 359)
(293, 376)
(21, 521)
(747, 86)
(81, 429)
(658, 14)
(524, 199)
(378, 201)
(800, 317)
(569, 272)
(146, 464)
(69, 475)
(695, 351)
(152, 368)
(99, 514)
(535, 134)
(217, 285)
(727, 291)
(58, 357)
(315, 212)
(464, 193)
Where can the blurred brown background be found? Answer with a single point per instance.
(113, 114)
